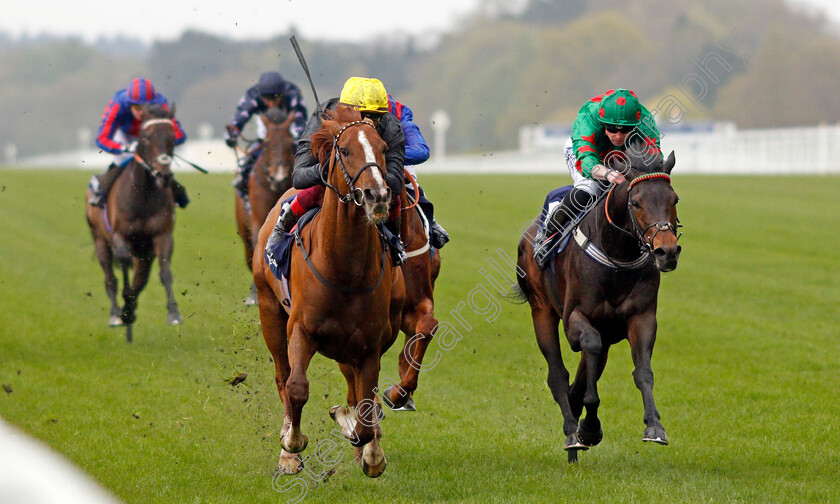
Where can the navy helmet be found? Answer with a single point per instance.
(271, 83)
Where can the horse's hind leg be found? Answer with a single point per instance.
(103, 254)
(163, 245)
(548, 338)
(642, 335)
(297, 387)
(418, 326)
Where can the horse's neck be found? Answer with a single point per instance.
(350, 243)
(618, 245)
(138, 189)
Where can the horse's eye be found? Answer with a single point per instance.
(676, 200)
(344, 152)
(635, 204)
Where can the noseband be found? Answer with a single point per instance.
(639, 233)
(354, 194)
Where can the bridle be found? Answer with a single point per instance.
(639, 233)
(347, 198)
(354, 194)
(262, 168)
(162, 158)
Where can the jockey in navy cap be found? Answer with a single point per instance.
(272, 90)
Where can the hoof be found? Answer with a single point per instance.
(378, 463)
(402, 403)
(294, 444)
(252, 300)
(333, 411)
(174, 319)
(115, 321)
(655, 435)
(290, 463)
(590, 433)
(573, 442)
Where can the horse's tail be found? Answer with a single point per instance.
(516, 294)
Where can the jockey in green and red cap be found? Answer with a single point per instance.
(599, 133)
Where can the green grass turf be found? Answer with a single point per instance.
(746, 363)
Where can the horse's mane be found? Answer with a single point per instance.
(155, 110)
(641, 156)
(333, 120)
(276, 115)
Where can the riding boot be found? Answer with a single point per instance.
(575, 202)
(437, 235)
(101, 185)
(285, 222)
(398, 255)
(180, 194)
(240, 181)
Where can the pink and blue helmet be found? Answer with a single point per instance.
(140, 91)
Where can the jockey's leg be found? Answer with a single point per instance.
(243, 170)
(101, 184)
(398, 255)
(303, 201)
(437, 235)
(180, 194)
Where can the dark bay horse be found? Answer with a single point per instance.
(270, 177)
(138, 219)
(347, 299)
(604, 288)
(418, 320)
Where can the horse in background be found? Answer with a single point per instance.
(347, 298)
(418, 320)
(270, 177)
(138, 219)
(604, 289)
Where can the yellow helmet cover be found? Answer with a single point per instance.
(367, 95)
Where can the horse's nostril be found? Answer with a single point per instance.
(369, 196)
(387, 194)
(679, 249)
(660, 253)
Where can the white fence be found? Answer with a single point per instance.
(722, 149)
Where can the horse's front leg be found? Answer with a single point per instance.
(163, 245)
(300, 352)
(418, 325)
(368, 431)
(641, 333)
(594, 354)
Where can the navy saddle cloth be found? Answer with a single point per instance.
(279, 258)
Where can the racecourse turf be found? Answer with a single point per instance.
(746, 364)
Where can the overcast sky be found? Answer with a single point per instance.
(344, 20)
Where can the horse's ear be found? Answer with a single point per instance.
(669, 163)
(172, 111)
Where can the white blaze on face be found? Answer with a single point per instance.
(370, 158)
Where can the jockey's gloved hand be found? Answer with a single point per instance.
(131, 148)
(232, 135)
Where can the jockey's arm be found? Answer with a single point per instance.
(601, 172)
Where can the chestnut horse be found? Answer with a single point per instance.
(347, 299)
(605, 289)
(271, 177)
(418, 321)
(137, 221)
